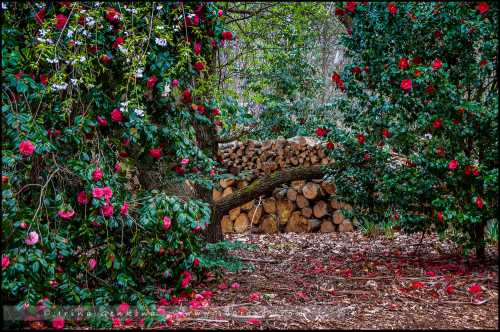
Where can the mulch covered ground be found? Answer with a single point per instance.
(349, 281)
(343, 281)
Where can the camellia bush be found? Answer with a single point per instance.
(90, 93)
(420, 102)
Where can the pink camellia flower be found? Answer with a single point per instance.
(32, 238)
(116, 115)
(185, 161)
(58, 323)
(406, 85)
(474, 289)
(102, 121)
(23, 225)
(124, 209)
(196, 229)
(254, 321)
(453, 164)
(107, 210)
(116, 322)
(196, 262)
(66, 215)
(152, 82)
(97, 192)
(61, 21)
(197, 48)
(123, 308)
(220, 12)
(255, 296)
(118, 168)
(175, 83)
(212, 172)
(167, 222)
(436, 64)
(5, 262)
(92, 263)
(97, 174)
(26, 148)
(235, 285)
(213, 43)
(107, 193)
(155, 153)
(196, 20)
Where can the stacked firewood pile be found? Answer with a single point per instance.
(268, 156)
(299, 206)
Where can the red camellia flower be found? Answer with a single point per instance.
(199, 66)
(152, 82)
(116, 115)
(468, 170)
(417, 73)
(102, 121)
(440, 151)
(186, 96)
(339, 11)
(5, 179)
(124, 209)
(437, 123)
(118, 41)
(112, 15)
(479, 202)
(40, 16)
(61, 21)
(186, 279)
(417, 60)
(356, 70)
(483, 63)
(475, 172)
(26, 148)
(351, 6)
(474, 289)
(386, 133)
(155, 153)
(97, 174)
(438, 34)
(320, 132)
(430, 89)
(330, 145)
(391, 8)
(482, 7)
(440, 216)
(105, 58)
(196, 262)
(44, 79)
(227, 35)
(82, 198)
(216, 111)
(453, 164)
(403, 63)
(335, 77)
(406, 85)
(361, 139)
(19, 75)
(436, 64)
(450, 289)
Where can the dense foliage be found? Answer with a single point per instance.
(92, 91)
(421, 101)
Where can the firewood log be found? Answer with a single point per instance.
(291, 194)
(254, 214)
(327, 227)
(313, 225)
(310, 190)
(320, 209)
(346, 226)
(269, 205)
(307, 212)
(269, 224)
(284, 209)
(241, 224)
(338, 217)
(301, 201)
(234, 213)
(226, 224)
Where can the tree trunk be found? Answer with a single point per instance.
(478, 233)
(260, 187)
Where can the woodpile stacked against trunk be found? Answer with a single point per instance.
(268, 156)
(300, 206)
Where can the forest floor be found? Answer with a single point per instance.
(343, 281)
(350, 281)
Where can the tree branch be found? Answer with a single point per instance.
(265, 185)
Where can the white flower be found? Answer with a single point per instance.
(86, 33)
(166, 91)
(55, 60)
(89, 21)
(139, 72)
(42, 32)
(160, 41)
(139, 112)
(83, 58)
(74, 81)
(428, 136)
(4, 5)
(77, 42)
(60, 86)
(159, 7)
(70, 33)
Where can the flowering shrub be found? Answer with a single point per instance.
(91, 91)
(422, 116)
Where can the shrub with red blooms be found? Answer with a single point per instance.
(434, 90)
(77, 116)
